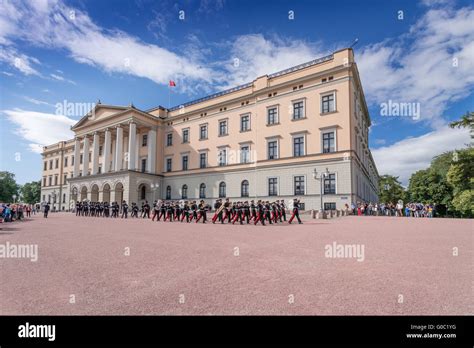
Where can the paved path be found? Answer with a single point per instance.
(169, 262)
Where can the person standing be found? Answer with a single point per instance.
(202, 212)
(146, 207)
(296, 211)
(46, 210)
(124, 210)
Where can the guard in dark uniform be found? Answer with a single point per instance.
(260, 213)
(46, 210)
(124, 210)
(146, 209)
(202, 212)
(296, 211)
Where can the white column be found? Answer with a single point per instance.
(106, 152)
(137, 149)
(113, 155)
(95, 154)
(85, 157)
(151, 144)
(77, 156)
(118, 149)
(132, 143)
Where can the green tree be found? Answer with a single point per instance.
(460, 178)
(31, 192)
(466, 121)
(8, 187)
(391, 190)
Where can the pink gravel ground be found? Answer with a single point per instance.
(172, 262)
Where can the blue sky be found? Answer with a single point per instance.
(126, 51)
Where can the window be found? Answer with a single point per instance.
(168, 164)
(329, 144)
(72, 160)
(222, 190)
(44, 183)
(145, 140)
(298, 146)
(244, 188)
(202, 190)
(329, 206)
(169, 139)
(327, 103)
(299, 185)
(203, 132)
(245, 123)
(245, 154)
(65, 161)
(100, 150)
(272, 149)
(44, 198)
(184, 161)
(143, 192)
(298, 110)
(185, 135)
(90, 157)
(168, 192)
(272, 115)
(99, 170)
(50, 164)
(222, 128)
(143, 166)
(202, 160)
(222, 157)
(56, 180)
(81, 159)
(45, 165)
(56, 165)
(184, 192)
(65, 178)
(272, 186)
(330, 184)
(64, 198)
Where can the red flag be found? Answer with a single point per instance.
(172, 83)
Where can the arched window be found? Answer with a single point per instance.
(184, 192)
(244, 188)
(222, 190)
(143, 192)
(168, 192)
(202, 190)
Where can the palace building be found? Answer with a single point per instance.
(273, 138)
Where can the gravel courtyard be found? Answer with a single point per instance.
(135, 267)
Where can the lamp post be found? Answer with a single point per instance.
(154, 187)
(321, 177)
(54, 200)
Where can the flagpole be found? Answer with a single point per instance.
(169, 96)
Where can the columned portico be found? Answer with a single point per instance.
(85, 157)
(118, 148)
(132, 143)
(95, 154)
(106, 152)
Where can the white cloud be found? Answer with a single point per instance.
(7, 73)
(38, 128)
(57, 26)
(421, 65)
(254, 55)
(36, 101)
(412, 154)
(60, 78)
(19, 61)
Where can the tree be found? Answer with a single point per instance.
(31, 192)
(8, 187)
(391, 190)
(460, 178)
(466, 121)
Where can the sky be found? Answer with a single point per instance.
(119, 52)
